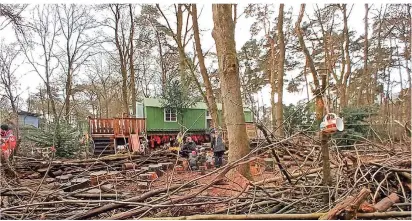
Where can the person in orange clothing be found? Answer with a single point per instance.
(8, 141)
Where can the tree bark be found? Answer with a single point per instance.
(343, 100)
(272, 81)
(131, 61)
(210, 101)
(223, 34)
(122, 57)
(387, 202)
(348, 207)
(365, 51)
(180, 44)
(281, 72)
(319, 98)
(408, 70)
(162, 65)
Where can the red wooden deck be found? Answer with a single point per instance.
(116, 127)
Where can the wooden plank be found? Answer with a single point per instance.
(111, 131)
(103, 127)
(134, 126)
(115, 127)
(101, 135)
(98, 126)
(127, 127)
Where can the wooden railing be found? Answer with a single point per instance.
(116, 126)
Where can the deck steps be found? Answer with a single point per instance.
(103, 146)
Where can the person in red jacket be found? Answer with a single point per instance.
(8, 141)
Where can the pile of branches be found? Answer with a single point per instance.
(370, 181)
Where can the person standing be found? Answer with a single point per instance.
(217, 146)
(8, 141)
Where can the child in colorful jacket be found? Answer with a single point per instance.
(8, 141)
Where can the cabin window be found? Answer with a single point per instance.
(170, 115)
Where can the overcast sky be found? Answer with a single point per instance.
(29, 81)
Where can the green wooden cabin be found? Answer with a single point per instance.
(197, 117)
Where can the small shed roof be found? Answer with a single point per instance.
(28, 113)
(154, 102)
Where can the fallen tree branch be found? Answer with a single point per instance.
(112, 206)
(295, 175)
(348, 207)
(215, 180)
(387, 202)
(309, 216)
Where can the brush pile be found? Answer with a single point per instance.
(369, 181)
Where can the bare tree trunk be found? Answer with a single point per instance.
(365, 52)
(380, 59)
(68, 93)
(210, 101)
(272, 81)
(347, 58)
(131, 61)
(49, 94)
(122, 56)
(180, 44)
(319, 98)
(223, 33)
(281, 72)
(306, 79)
(408, 69)
(162, 65)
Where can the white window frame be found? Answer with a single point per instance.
(164, 115)
(208, 116)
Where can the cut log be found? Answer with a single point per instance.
(109, 188)
(128, 166)
(156, 168)
(348, 207)
(387, 202)
(366, 208)
(57, 173)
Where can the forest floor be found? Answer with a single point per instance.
(370, 180)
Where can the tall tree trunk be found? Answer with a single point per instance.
(50, 95)
(365, 52)
(380, 59)
(68, 90)
(180, 45)
(122, 58)
(272, 81)
(210, 101)
(408, 51)
(131, 61)
(223, 34)
(347, 58)
(319, 99)
(162, 65)
(306, 79)
(281, 72)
